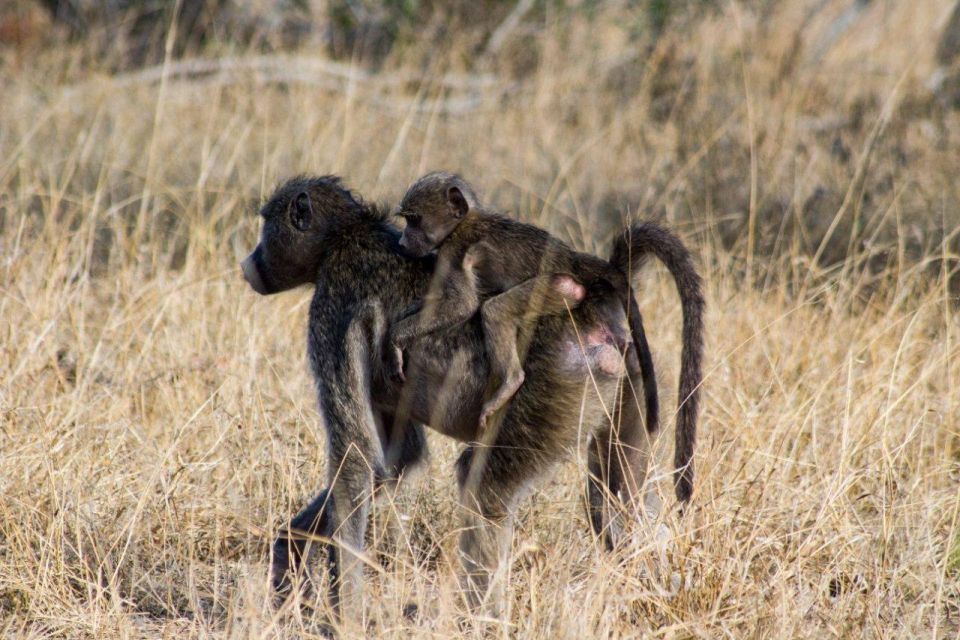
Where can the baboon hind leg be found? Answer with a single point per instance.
(617, 455)
(492, 480)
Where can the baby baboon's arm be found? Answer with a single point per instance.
(455, 302)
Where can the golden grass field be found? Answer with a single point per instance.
(157, 418)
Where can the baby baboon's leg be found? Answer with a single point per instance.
(617, 462)
(508, 315)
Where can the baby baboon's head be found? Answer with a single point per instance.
(433, 206)
(295, 220)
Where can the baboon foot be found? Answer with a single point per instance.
(502, 395)
(284, 576)
(280, 570)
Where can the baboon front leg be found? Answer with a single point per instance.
(617, 464)
(343, 367)
(351, 488)
(356, 455)
(324, 519)
(508, 318)
(405, 447)
(484, 548)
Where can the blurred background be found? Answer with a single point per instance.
(820, 126)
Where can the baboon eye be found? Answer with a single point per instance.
(413, 219)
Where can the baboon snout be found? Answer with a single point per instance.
(413, 247)
(252, 275)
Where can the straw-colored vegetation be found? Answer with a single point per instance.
(158, 423)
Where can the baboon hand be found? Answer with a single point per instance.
(485, 416)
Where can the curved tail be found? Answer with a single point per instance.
(630, 250)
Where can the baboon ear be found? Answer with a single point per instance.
(301, 211)
(458, 204)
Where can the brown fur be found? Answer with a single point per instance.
(519, 271)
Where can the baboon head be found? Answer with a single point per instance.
(433, 207)
(295, 223)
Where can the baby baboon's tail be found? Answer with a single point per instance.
(630, 249)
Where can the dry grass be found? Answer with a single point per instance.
(157, 422)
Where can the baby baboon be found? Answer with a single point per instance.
(482, 259)
(317, 232)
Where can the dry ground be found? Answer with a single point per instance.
(157, 421)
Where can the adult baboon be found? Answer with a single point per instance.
(317, 232)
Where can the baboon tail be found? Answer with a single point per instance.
(630, 250)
